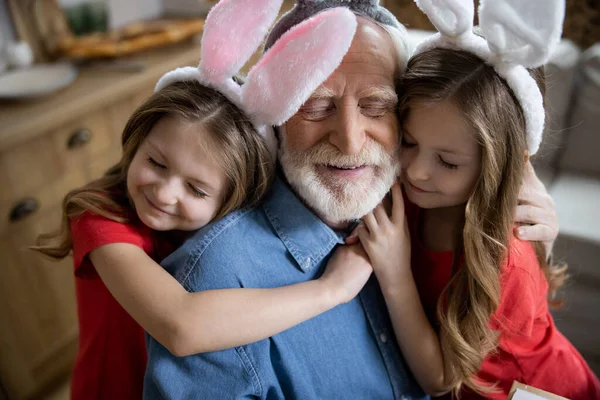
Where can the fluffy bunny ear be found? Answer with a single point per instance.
(451, 18)
(233, 30)
(301, 60)
(524, 32)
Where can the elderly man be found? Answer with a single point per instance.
(337, 162)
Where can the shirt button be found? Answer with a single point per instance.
(383, 338)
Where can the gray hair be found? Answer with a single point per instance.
(400, 43)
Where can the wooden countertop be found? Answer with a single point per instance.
(94, 88)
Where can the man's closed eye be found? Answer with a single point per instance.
(316, 110)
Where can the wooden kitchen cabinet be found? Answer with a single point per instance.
(48, 147)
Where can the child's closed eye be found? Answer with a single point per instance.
(197, 192)
(446, 164)
(405, 143)
(155, 163)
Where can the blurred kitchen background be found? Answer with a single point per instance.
(71, 73)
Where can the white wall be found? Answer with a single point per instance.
(122, 12)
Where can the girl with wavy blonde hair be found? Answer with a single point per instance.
(471, 314)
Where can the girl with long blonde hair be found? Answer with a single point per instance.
(468, 299)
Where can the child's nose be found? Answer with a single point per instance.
(166, 193)
(419, 168)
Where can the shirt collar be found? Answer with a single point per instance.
(308, 239)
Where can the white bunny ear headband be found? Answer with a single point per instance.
(285, 77)
(519, 34)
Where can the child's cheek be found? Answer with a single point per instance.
(145, 176)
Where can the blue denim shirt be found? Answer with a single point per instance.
(348, 352)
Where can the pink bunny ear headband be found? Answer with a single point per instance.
(519, 34)
(286, 75)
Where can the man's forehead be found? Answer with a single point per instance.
(366, 26)
(368, 69)
(370, 33)
(372, 46)
(361, 71)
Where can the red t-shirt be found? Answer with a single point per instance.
(531, 350)
(111, 359)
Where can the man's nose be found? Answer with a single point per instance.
(349, 134)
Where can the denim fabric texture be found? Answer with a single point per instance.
(348, 352)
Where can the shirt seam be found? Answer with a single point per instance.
(375, 325)
(197, 252)
(274, 220)
(250, 369)
(192, 262)
(120, 238)
(298, 255)
(504, 322)
(510, 351)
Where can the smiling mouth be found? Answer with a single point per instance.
(345, 167)
(417, 189)
(156, 207)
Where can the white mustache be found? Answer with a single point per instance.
(372, 154)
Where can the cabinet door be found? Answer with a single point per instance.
(38, 341)
(38, 322)
(116, 117)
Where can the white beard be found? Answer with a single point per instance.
(339, 200)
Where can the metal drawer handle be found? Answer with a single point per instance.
(79, 138)
(23, 209)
